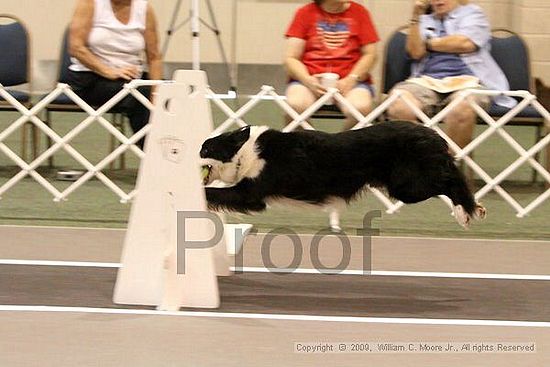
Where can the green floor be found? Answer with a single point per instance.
(94, 205)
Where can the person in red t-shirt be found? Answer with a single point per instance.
(331, 36)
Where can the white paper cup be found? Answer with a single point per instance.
(328, 80)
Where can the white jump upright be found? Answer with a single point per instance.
(169, 181)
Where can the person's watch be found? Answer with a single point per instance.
(355, 77)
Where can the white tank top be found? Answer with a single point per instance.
(114, 43)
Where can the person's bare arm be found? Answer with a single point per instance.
(417, 48)
(415, 44)
(154, 58)
(360, 70)
(81, 25)
(296, 69)
(458, 44)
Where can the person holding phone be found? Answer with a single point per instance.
(451, 51)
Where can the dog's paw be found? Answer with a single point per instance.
(461, 216)
(480, 212)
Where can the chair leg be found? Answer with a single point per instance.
(118, 122)
(35, 141)
(538, 136)
(112, 142)
(47, 121)
(468, 171)
(24, 130)
(547, 154)
(123, 130)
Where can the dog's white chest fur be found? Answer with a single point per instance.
(245, 164)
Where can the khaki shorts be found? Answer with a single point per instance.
(432, 101)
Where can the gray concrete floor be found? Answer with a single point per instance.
(90, 334)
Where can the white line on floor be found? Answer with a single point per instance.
(84, 264)
(396, 273)
(376, 238)
(21, 226)
(317, 318)
(299, 271)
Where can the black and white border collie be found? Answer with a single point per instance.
(263, 165)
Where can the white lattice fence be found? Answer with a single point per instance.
(63, 142)
(236, 117)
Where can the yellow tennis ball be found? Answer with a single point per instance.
(205, 172)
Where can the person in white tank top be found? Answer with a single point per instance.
(112, 42)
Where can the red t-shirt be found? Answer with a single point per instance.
(333, 41)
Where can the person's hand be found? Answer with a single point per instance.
(313, 83)
(420, 7)
(346, 84)
(153, 94)
(126, 73)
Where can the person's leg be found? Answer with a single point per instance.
(136, 111)
(423, 98)
(360, 97)
(299, 97)
(461, 120)
(81, 82)
(104, 89)
(93, 88)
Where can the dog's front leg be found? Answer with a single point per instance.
(237, 198)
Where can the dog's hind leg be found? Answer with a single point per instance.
(411, 184)
(416, 181)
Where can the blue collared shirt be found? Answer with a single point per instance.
(470, 21)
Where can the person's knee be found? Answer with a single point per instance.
(298, 104)
(462, 114)
(400, 110)
(360, 99)
(364, 107)
(299, 98)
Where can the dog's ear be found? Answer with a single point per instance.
(241, 136)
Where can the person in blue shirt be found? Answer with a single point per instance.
(451, 41)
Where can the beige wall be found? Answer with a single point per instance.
(260, 25)
(531, 19)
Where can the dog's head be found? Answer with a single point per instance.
(219, 154)
(222, 148)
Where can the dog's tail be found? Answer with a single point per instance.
(465, 206)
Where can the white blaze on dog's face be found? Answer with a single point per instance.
(233, 155)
